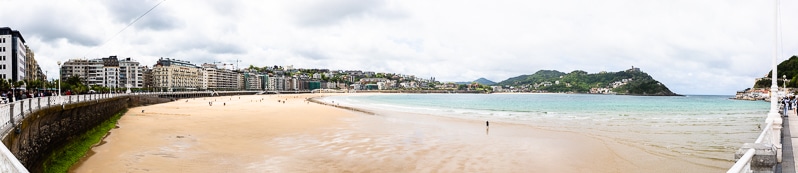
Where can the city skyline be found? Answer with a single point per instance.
(724, 45)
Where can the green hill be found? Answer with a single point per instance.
(484, 81)
(787, 67)
(631, 82)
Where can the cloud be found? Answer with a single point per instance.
(56, 25)
(159, 18)
(703, 47)
(313, 13)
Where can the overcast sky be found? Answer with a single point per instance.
(692, 46)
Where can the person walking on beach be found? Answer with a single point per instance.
(487, 124)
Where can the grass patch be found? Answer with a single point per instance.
(63, 158)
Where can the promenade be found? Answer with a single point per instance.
(788, 163)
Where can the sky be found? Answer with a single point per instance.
(712, 47)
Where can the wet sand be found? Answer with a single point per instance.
(247, 135)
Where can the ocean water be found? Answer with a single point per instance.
(700, 128)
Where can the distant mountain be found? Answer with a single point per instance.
(631, 82)
(482, 81)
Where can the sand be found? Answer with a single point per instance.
(245, 134)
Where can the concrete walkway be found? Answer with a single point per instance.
(788, 163)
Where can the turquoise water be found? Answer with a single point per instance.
(703, 127)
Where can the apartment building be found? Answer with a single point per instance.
(87, 70)
(13, 54)
(107, 72)
(177, 75)
(215, 78)
(131, 73)
(32, 69)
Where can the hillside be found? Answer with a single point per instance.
(481, 81)
(484, 81)
(631, 82)
(787, 67)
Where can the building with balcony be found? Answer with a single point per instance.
(177, 75)
(107, 72)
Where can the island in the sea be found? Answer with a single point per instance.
(628, 82)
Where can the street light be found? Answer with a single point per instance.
(44, 84)
(774, 116)
(13, 92)
(59, 78)
(785, 83)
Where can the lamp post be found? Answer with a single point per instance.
(44, 84)
(13, 92)
(59, 78)
(774, 116)
(785, 84)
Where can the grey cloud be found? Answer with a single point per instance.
(127, 11)
(314, 55)
(224, 48)
(328, 12)
(210, 47)
(50, 27)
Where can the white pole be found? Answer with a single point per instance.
(774, 116)
(59, 78)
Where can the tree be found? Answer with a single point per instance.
(74, 83)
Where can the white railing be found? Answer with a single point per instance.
(14, 113)
(9, 163)
(744, 163)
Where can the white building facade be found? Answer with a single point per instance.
(12, 55)
(107, 72)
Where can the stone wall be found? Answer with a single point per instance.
(45, 130)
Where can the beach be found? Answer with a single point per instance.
(259, 134)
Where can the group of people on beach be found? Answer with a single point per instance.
(789, 104)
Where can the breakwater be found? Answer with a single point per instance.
(32, 128)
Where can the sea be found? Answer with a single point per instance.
(701, 127)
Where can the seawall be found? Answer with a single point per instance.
(45, 130)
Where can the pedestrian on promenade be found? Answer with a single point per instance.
(786, 102)
(794, 103)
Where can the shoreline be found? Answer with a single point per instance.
(256, 134)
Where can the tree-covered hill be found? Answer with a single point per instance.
(632, 82)
(787, 67)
